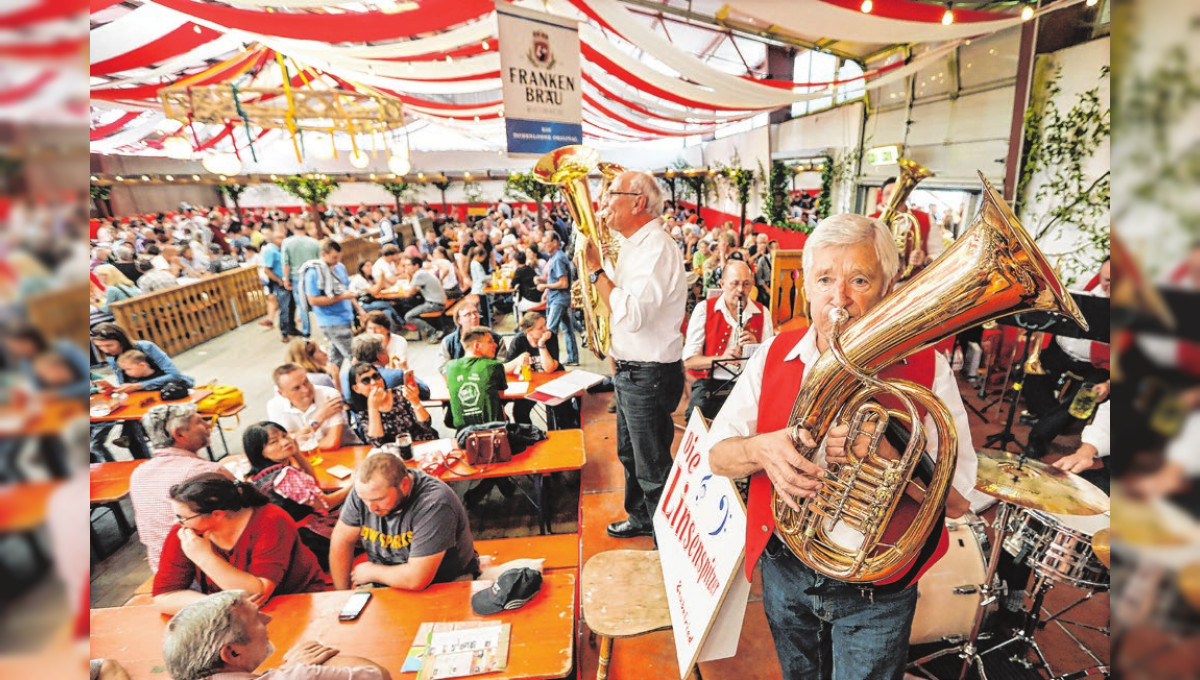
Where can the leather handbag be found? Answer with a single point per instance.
(484, 447)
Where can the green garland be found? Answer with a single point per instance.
(825, 200)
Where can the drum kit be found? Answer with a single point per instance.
(1051, 521)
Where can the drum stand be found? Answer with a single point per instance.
(989, 593)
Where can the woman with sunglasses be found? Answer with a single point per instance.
(382, 413)
(229, 537)
(278, 470)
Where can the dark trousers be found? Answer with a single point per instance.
(1041, 400)
(287, 311)
(825, 628)
(709, 396)
(646, 394)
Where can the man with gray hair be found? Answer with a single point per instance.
(646, 289)
(225, 637)
(177, 432)
(850, 265)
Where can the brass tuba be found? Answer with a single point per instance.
(568, 167)
(993, 270)
(904, 226)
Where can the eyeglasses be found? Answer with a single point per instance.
(184, 520)
(624, 193)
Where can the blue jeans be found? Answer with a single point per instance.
(823, 627)
(305, 320)
(414, 317)
(387, 308)
(558, 321)
(646, 394)
(287, 311)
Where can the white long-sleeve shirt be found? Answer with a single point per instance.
(1097, 432)
(649, 298)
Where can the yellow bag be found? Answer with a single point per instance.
(223, 399)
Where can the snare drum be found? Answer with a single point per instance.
(948, 594)
(1058, 547)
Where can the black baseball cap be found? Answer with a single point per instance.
(512, 590)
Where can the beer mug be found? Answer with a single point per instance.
(1084, 402)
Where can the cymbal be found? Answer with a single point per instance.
(1036, 485)
(1100, 546)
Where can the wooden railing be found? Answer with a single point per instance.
(178, 318)
(355, 250)
(60, 313)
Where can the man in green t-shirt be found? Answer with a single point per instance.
(476, 381)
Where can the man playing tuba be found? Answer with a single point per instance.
(851, 263)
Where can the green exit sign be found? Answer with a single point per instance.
(883, 155)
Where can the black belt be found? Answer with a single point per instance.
(620, 364)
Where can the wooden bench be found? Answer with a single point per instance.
(560, 551)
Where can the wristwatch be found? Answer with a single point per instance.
(595, 276)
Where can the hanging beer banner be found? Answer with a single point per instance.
(539, 66)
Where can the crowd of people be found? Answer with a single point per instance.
(688, 315)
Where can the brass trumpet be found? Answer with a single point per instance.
(993, 270)
(904, 226)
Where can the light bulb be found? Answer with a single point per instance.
(177, 148)
(1090, 3)
(399, 165)
(359, 160)
(948, 17)
(867, 6)
(1026, 13)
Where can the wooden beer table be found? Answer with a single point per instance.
(541, 643)
(561, 450)
(110, 485)
(136, 405)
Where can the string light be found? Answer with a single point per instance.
(1090, 3)
(485, 45)
(948, 17)
(1026, 12)
(867, 6)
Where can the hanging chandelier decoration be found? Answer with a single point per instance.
(298, 106)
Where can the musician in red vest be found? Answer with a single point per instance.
(851, 263)
(930, 248)
(1084, 358)
(711, 337)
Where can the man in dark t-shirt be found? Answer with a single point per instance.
(414, 529)
(476, 381)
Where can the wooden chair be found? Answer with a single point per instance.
(623, 595)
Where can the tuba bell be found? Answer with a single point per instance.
(903, 225)
(568, 167)
(993, 270)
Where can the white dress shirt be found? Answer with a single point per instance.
(280, 410)
(649, 299)
(739, 416)
(1097, 432)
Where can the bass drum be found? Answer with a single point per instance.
(948, 594)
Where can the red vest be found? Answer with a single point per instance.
(782, 380)
(717, 331)
(924, 225)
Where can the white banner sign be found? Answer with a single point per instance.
(700, 526)
(539, 68)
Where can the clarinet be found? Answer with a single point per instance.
(737, 328)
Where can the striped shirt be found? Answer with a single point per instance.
(149, 486)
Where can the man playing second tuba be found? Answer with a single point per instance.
(850, 263)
